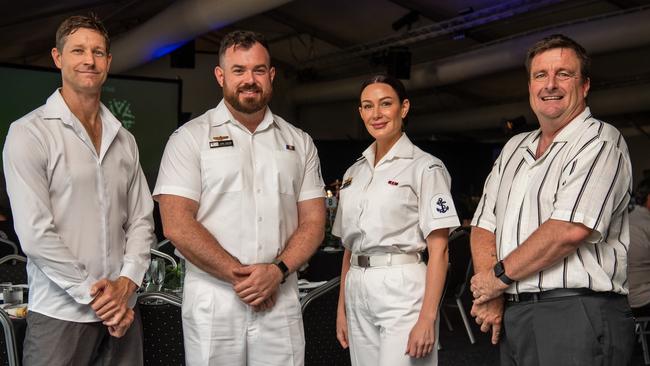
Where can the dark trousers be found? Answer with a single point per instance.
(590, 330)
(53, 342)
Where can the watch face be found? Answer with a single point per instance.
(498, 269)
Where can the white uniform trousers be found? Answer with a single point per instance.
(219, 329)
(382, 305)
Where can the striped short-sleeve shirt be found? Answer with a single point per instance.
(584, 176)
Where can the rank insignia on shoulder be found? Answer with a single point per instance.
(224, 143)
(393, 183)
(346, 183)
(433, 166)
(290, 147)
(220, 138)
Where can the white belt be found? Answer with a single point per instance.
(382, 260)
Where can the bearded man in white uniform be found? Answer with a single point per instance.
(241, 197)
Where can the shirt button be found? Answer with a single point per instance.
(258, 190)
(259, 219)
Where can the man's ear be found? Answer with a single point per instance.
(56, 57)
(218, 74)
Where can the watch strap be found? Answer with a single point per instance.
(500, 273)
(283, 268)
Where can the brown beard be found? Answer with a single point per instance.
(249, 105)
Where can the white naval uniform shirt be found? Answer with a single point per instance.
(583, 177)
(79, 216)
(247, 184)
(393, 206)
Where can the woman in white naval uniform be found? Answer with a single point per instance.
(394, 203)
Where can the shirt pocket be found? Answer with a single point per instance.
(288, 172)
(221, 171)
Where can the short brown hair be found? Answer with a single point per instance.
(243, 39)
(73, 23)
(560, 41)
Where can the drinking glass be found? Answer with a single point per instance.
(157, 273)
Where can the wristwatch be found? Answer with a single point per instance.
(283, 268)
(500, 273)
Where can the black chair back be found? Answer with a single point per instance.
(162, 329)
(460, 258)
(8, 347)
(319, 318)
(13, 268)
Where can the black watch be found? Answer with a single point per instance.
(500, 273)
(283, 268)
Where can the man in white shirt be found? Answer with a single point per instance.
(550, 234)
(82, 211)
(242, 199)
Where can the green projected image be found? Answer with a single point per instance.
(148, 108)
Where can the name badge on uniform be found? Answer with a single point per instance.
(224, 143)
(290, 147)
(346, 183)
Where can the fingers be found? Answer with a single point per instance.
(243, 270)
(481, 300)
(496, 333)
(98, 286)
(342, 336)
(419, 349)
(123, 326)
(115, 317)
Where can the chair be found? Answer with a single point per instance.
(167, 247)
(642, 331)
(319, 319)
(8, 354)
(458, 276)
(156, 252)
(8, 247)
(162, 329)
(13, 268)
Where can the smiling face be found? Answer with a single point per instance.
(382, 112)
(557, 91)
(246, 77)
(84, 61)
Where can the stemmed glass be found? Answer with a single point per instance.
(157, 273)
(146, 280)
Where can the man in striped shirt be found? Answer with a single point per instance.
(550, 235)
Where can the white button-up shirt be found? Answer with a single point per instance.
(80, 216)
(247, 184)
(392, 207)
(583, 177)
